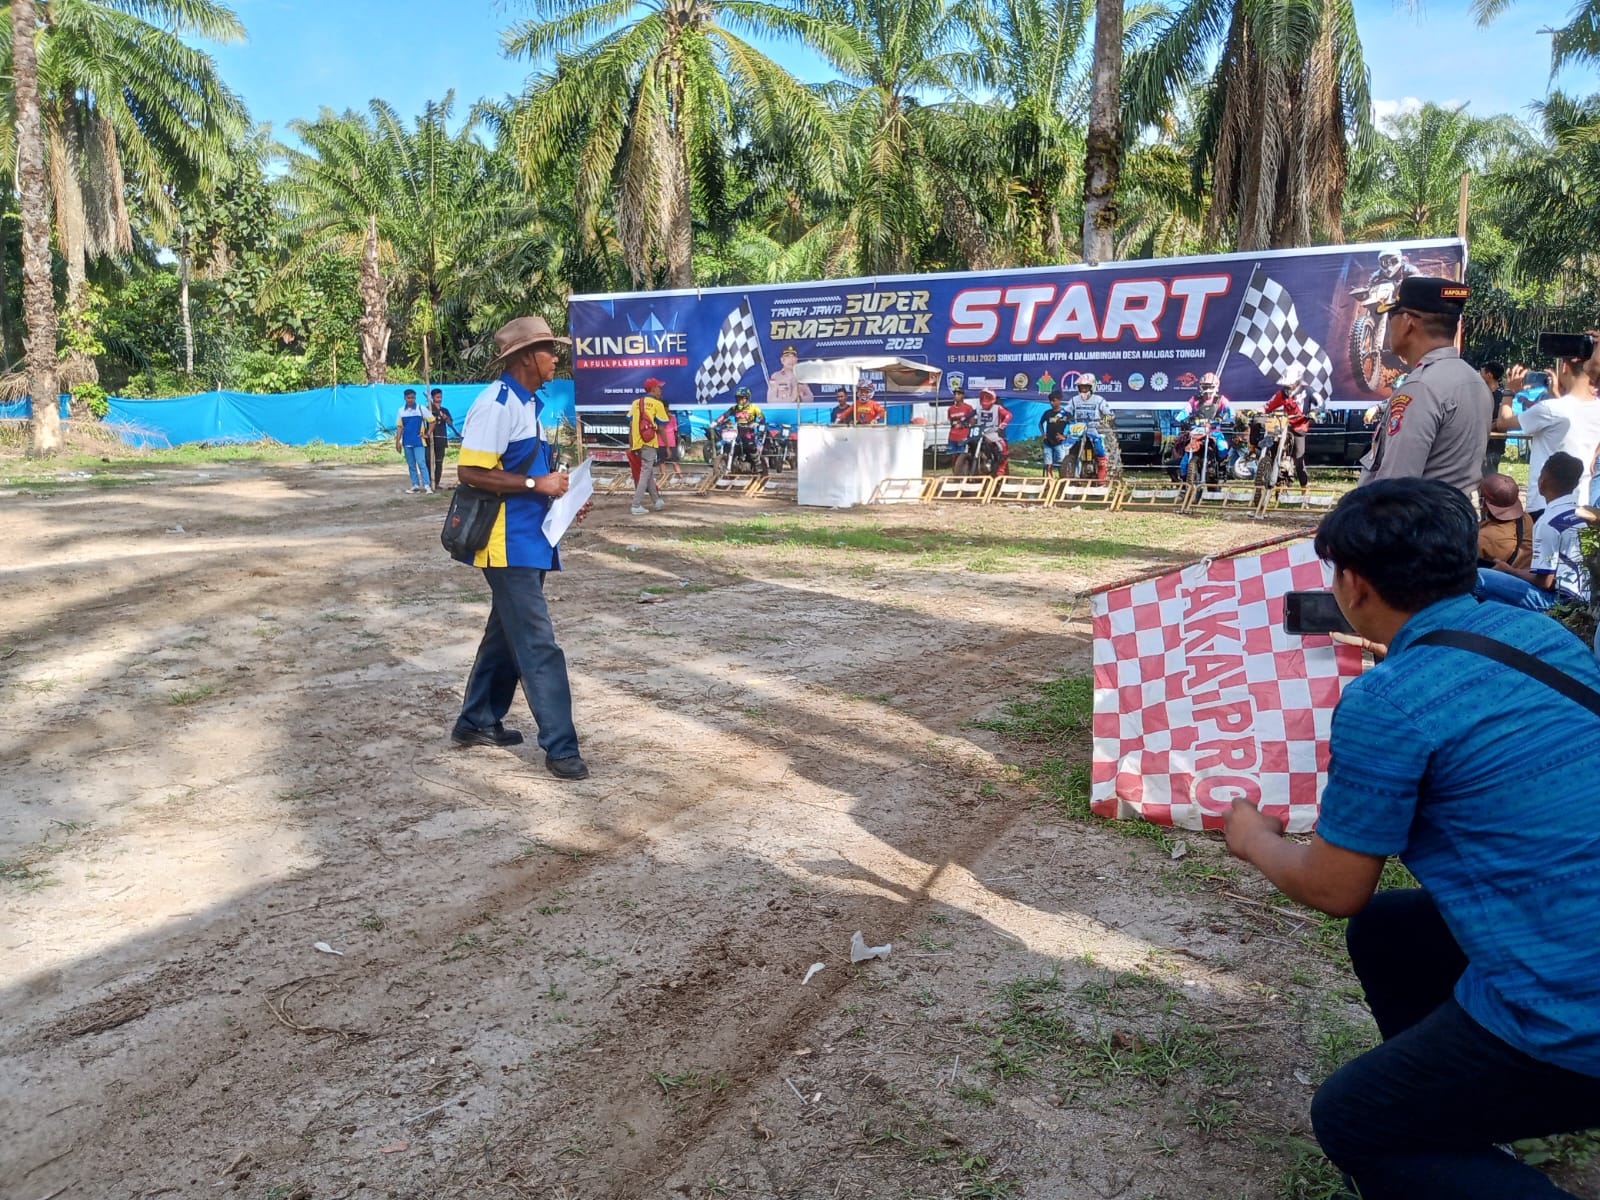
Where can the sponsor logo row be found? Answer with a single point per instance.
(1157, 381)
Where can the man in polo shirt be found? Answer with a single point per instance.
(504, 450)
(1484, 982)
(411, 439)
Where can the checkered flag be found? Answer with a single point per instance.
(1268, 333)
(738, 349)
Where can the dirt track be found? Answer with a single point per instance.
(225, 703)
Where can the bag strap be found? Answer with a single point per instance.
(1517, 660)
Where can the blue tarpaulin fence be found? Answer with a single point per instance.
(342, 416)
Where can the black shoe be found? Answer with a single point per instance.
(498, 736)
(573, 768)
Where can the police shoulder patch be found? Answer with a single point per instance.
(1397, 411)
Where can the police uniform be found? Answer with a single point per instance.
(1437, 424)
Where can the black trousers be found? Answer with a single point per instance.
(436, 450)
(1419, 1117)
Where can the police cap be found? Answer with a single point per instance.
(1429, 294)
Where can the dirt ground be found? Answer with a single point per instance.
(225, 697)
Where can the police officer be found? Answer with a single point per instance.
(1437, 424)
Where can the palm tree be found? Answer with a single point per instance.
(1408, 184)
(648, 95)
(1288, 84)
(130, 109)
(38, 301)
(425, 212)
(1576, 42)
(1550, 195)
(1102, 159)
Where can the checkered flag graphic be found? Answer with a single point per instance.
(738, 349)
(1268, 333)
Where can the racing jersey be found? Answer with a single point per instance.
(1214, 410)
(961, 417)
(995, 417)
(748, 415)
(1091, 409)
(1292, 408)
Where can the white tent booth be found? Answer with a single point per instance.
(842, 465)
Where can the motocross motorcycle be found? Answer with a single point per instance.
(741, 446)
(781, 450)
(1264, 463)
(1081, 459)
(1205, 452)
(1369, 335)
(983, 454)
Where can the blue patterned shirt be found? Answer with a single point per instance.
(1486, 783)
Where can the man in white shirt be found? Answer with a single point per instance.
(1556, 572)
(1568, 419)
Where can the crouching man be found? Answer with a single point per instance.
(1472, 751)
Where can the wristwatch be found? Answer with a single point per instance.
(531, 483)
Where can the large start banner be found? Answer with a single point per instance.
(1146, 331)
(1201, 698)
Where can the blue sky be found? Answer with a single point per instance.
(303, 54)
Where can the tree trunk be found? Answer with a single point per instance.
(1102, 156)
(5, 292)
(374, 324)
(38, 301)
(184, 268)
(680, 229)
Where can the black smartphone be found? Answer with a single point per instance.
(1566, 345)
(1313, 612)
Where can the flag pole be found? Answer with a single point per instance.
(1233, 329)
(760, 356)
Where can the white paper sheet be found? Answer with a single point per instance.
(564, 509)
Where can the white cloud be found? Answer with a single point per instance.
(1384, 111)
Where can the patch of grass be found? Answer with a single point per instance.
(1575, 1150)
(372, 921)
(670, 1082)
(1310, 1176)
(1060, 713)
(186, 696)
(982, 1097)
(29, 871)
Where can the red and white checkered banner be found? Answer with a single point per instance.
(1200, 698)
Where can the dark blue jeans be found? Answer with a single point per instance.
(519, 643)
(1418, 1118)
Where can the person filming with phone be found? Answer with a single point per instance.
(1566, 420)
(1484, 981)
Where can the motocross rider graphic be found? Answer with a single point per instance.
(1093, 410)
(1392, 268)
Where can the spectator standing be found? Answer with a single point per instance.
(1505, 530)
(1053, 425)
(1437, 425)
(1568, 419)
(440, 427)
(411, 440)
(644, 439)
(504, 450)
(962, 416)
(1483, 980)
(843, 409)
(671, 449)
(1493, 373)
(1556, 571)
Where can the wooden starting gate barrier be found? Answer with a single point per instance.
(1239, 495)
(1021, 489)
(902, 491)
(972, 488)
(1153, 493)
(1085, 493)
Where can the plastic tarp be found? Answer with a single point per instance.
(342, 416)
(22, 410)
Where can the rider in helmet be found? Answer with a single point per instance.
(867, 410)
(1293, 400)
(1094, 411)
(993, 417)
(744, 411)
(1210, 405)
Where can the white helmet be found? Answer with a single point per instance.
(1292, 378)
(1389, 260)
(1210, 385)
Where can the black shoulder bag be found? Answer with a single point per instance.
(1517, 660)
(472, 514)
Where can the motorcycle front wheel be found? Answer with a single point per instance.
(1366, 353)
